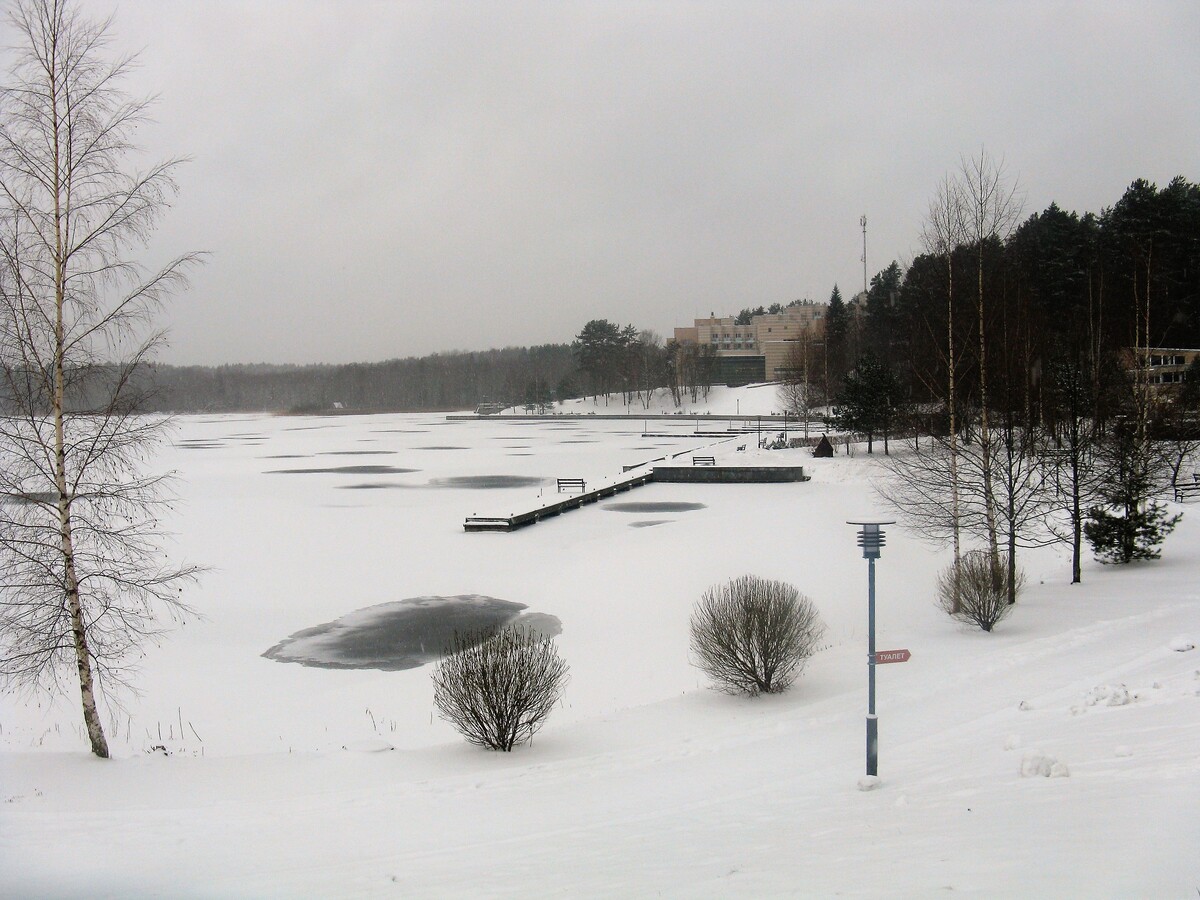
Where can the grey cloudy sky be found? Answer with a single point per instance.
(388, 179)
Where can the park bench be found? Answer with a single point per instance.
(741, 447)
(703, 461)
(572, 484)
(1185, 490)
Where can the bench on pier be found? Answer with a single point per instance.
(577, 484)
(703, 461)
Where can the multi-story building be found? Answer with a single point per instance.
(1166, 366)
(761, 349)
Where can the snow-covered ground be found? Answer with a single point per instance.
(645, 782)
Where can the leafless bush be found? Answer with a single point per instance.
(498, 688)
(752, 636)
(982, 594)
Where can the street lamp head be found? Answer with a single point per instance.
(871, 537)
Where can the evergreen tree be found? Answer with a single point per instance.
(1128, 525)
(837, 327)
(598, 348)
(870, 401)
(881, 319)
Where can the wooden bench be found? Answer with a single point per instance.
(703, 461)
(573, 483)
(741, 447)
(1184, 491)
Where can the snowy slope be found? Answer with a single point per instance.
(645, 782)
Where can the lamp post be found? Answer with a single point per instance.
(871, 538)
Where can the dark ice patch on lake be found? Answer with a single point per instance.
(358, 453)
(404, 634)
(487, 482)
(440, 447)
(648, 522)
(29, 499)
(651, 506)
(345, 470)
(375, 486)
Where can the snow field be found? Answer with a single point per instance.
(644, 782)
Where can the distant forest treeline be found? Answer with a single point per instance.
(1053, 288)
(442, 381)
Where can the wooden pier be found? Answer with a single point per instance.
(561, 503)
(707, 473)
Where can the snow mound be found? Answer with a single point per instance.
(1038, 764)
(1012, 742)
(1181, 645)
(870, 783)
(1109, 695)
(1123, 750)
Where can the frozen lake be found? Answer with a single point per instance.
(242, 775)
(306, 520)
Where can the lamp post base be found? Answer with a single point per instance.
(872, 745)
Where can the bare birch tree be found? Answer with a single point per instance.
(799, 391)
(991, 210)
(1021, 507)
(85, 578)
(942, 233)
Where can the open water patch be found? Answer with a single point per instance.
(404, 634)
(345, 470)
(651, 506)
(487, 482)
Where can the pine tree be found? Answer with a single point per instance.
(837, 327)
(870, 401)
(1128, 525)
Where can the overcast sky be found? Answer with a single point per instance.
(388, 179)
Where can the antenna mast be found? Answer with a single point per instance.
(863, 222)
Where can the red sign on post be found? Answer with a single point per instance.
(891, 656)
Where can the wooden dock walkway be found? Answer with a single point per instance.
(561, 503)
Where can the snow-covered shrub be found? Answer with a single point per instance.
(977, 591)
(752, 635)
(498, 688)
